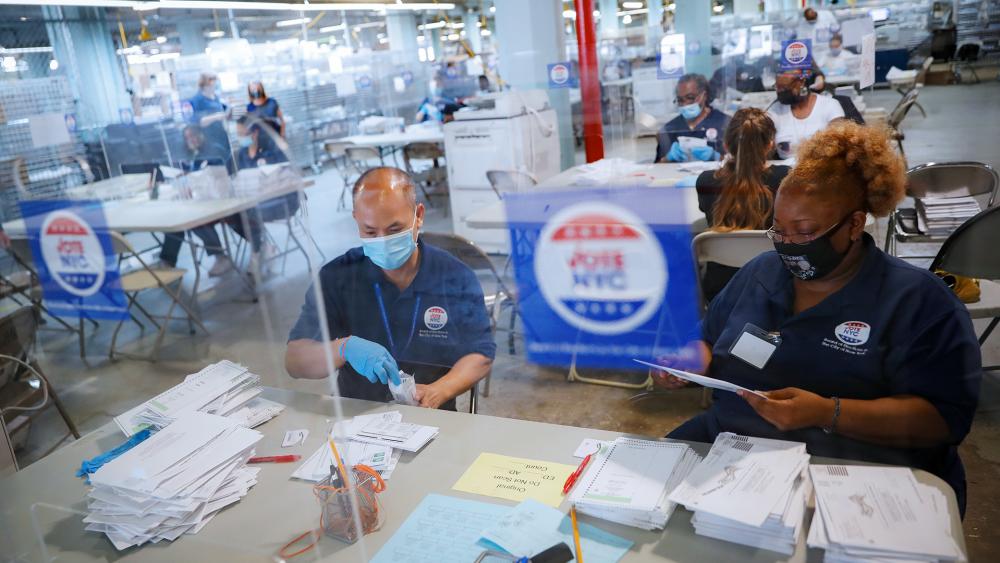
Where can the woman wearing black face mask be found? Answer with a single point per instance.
(875, 359)
(799, 113)
(265, 107)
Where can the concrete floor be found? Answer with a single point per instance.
(963, 123)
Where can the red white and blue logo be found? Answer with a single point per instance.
(435, 318)
(852, 333)
(72, 253)
(600, 268)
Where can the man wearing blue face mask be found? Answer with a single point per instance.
(697, 120)
(393, 303)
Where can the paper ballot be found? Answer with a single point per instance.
(867, 512)
(174, 482)
(223, 388)
(380, 457)
(629, 481)
(702, 380)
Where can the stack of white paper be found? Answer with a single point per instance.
(174, 482)
(223, 388)
(751, 491)
(941, 216)
(380, 457)
(629, 482)
(866, 513)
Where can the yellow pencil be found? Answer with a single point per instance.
(576, 534)
(340, 463)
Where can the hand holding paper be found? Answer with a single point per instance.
(791, 408)
(703, 380)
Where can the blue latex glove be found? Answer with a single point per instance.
(89, 466)
(371, 360)
(705, 153)
(676, 153)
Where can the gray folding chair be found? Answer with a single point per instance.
(336, 151)
(509, 181)
(969, 251)
(495, 291)
(898, 114)
(135, 282)
(435, 176)
(730, 248)
(941, 180)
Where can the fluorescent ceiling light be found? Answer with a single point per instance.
(296, 21)
(452, 37)
(569, 14)
(633, 12)
(366, 25)
(485, 32)
(215, 34)
(632, 5)
(456, 25)
(332, 28)
(24, 50)
(282, 6)
(627, 19)
(433, 25)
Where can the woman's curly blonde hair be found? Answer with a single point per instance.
(853, 163)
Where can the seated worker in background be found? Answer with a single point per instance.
(740, 194)
(798, 113)
(838, 61)
(697, 119)
(877, 359)
(200, 152)
(436, 106)
(394, 299)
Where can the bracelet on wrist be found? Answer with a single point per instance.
(836, 416)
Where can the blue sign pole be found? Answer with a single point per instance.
(75, 262)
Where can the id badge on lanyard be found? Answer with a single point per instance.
(755, 346)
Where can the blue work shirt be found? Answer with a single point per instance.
(712, 128)
(908, 335)
(268, 109)
(439, 318)
(203, 106)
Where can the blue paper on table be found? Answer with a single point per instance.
(441, 529)
(532, 527)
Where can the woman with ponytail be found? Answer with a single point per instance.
(740, 194)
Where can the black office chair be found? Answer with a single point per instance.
(965, 57)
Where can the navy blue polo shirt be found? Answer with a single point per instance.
(894, 329)
(712, 128)
(439, 318)
(203, 106)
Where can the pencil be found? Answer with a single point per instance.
(340, 463)
(576, 534)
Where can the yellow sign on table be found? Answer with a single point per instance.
(515, 478)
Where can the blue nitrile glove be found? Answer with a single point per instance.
(371, 360)
(89, 466)
(705, 153)
(676, 153)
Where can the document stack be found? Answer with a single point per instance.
(376, 440)
(940, 216)
(750, 491)
(866, 513)
(628, 482)
(174, 482)
(223, 388)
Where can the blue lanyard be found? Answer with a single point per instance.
(385, 320)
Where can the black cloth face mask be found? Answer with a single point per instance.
(788, 97)
(815, 259)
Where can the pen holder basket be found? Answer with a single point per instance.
(337, 518)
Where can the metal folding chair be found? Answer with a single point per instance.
(969, 251)
(433, 177)
(146, 278)
(941, 180)
(495, 292)
(898, 114)
(510, 181)
(337, 152)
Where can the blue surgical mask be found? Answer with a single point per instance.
(835, 51)
(392, 251)
(690, 111)
(245, 142)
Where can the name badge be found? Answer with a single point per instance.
(755, 346)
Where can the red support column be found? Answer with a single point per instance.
(590, 84)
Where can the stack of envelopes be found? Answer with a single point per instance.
(223, 388)
(629, 480)
(750, 491)
(869, 513)
(174, 482)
